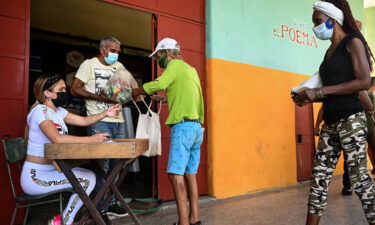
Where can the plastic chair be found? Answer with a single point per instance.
(15, 152)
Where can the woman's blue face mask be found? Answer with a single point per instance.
(325, 30)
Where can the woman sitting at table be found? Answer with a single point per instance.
(46, 124)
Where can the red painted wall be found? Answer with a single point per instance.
(14, 65)
(185, 22)
(191, 10)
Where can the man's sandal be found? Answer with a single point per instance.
(196, 223)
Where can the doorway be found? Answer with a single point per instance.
(60, 40)
(305, 141)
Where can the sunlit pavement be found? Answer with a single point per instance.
(286, 206)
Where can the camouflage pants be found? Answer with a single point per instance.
(348, 135)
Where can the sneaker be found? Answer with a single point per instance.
(115, 210)
(346, 191)
(105, 218)
(56, 220)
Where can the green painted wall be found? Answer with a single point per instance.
(370, 28)
(264, 33)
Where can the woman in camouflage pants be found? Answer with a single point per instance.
(344, 71)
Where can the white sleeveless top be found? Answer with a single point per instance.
(37, 138)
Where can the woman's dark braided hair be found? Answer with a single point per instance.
(350, 26)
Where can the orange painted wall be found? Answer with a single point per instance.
(251, 140)
(251, 119)
(251, 68)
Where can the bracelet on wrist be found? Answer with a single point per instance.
(319, 93)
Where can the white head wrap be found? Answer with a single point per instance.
(330, 10)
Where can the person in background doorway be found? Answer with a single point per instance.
(77, 104)
(186, 115)
(345, 71)
(46, 123)
(91, 77)
(73, 60)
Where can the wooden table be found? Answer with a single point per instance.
(125, 150)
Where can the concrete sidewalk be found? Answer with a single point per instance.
(286, 206)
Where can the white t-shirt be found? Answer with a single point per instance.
(37, 138)
(95, 75)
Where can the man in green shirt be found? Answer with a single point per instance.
(186, 114)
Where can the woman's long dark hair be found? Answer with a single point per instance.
(350, 26)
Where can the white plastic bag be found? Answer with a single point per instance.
(149, 127)
(313, 82)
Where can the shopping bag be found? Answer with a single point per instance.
(118, 87)
(149, 127)
(313, 82)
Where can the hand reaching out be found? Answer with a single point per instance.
(300, 98)
(311, 95)
(306, 96)
(113, 111)
(101, 137)
(159, 98)
(103, 98)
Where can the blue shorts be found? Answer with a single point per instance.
(184, 154)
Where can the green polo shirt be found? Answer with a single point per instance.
(184, 92)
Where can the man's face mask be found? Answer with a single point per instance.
(111, 58)
(63, 98)
(325, 30)
(163, 61)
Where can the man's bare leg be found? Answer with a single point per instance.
(178, 184)
(193, 197)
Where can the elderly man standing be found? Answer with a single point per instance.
(91, 77)
(186, 116)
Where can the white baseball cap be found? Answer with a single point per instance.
(166, 43)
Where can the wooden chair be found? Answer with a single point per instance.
(15, 152)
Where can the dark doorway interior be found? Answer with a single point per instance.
(48, 55)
